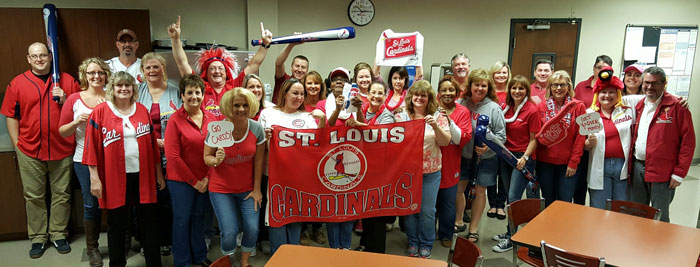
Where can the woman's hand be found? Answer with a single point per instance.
(339, 101)
(481, 149)
(161, 143)
(430, 120)
(201, 185)
(352, 122)
(161, 182)
(521, 163)
(268, 133)
(357, 102)
(570, 172)
(591, 142)
(265, 36)
(174, 30)
(96, 187)
(83, 117)
(317, 114)
(220, 155)
(257, 197)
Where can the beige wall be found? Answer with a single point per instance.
(479, 28)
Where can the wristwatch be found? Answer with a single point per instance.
(526, 157)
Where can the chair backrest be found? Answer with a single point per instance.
(464, 253)
(225, 261)
(556, 257)
(633, 208)
(523, 211)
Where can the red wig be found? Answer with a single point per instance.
(208, 56)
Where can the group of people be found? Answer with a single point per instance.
(136, 144)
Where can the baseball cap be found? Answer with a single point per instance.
(339, 70)
(636, 67)
(126, 32)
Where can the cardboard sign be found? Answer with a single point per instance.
(399, 49)
(589, 123)
(219, 134)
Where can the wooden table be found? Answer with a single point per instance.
(294, 255)
(623, 240)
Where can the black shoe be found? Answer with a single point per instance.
(204, 263)
(37, 250)
(62, 246)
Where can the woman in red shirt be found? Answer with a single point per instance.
(522, 124)
(187, 174)
(124, 161)
(315, 90)
(236, 175)
(556, 166)
(497, 195)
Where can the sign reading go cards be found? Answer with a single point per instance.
(219, 134)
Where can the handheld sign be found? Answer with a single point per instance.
(589, 123)
(219, 134)
(349, 91)
(399, 49)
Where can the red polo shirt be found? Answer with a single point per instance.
(28, 99)
(584, 92)
(518, 131)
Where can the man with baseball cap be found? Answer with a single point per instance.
(127, 43)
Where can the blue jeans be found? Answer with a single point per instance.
(446, 209)
(613, 187)
(228, 208)
(515, 181)
(339, 234)
(287, 234)
(188, 230)
(554, 183)
(420, 227)
(91, 207)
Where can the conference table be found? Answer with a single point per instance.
(623, 240)
(308, 256)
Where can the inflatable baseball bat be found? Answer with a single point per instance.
(325, 35)
(50, 25)
(497, 146)
(481, 122)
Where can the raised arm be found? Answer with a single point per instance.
(259, 57)
(178, 52)
(281, 58)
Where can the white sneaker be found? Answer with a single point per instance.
(500, 237)
(503, 246)
(254, 252)
(207, 241)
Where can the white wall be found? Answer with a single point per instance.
(479, 28)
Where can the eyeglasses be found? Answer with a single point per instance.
(93, 73)
(42, 56)
(559, 85)
(125, 41)
(656, 83)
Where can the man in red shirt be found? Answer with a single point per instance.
(543, 69)
(663, 144)
(300, 66)
(32, 122)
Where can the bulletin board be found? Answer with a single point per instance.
(671, 48)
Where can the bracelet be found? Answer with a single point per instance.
(266, 46)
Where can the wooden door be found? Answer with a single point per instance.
(559, 43)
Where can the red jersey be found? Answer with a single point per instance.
(236, 173)
(184, 148)
(211, 100)
(104, 148)
(452, 153)
(518, 131)
(567, 152)
(29, 100)
(584, 92)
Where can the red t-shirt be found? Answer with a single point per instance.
(501, 98)
(584, 92)
(518, 131)
(452, 153)
(29, 100)
(184, 148)
(235, 174)
(613, 144)
(535, 90)
(211, 100)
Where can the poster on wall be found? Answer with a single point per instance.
(670, 48)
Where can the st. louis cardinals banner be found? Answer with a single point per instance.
(399, 49)
(345, 173)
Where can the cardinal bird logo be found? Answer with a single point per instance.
(342, 168)
(664, 117)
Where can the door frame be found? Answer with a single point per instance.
(511, 39)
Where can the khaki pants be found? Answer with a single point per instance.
(33, 173)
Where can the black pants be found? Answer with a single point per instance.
(374, 234)
(118, 221)
(582, 185)
(497, 194)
